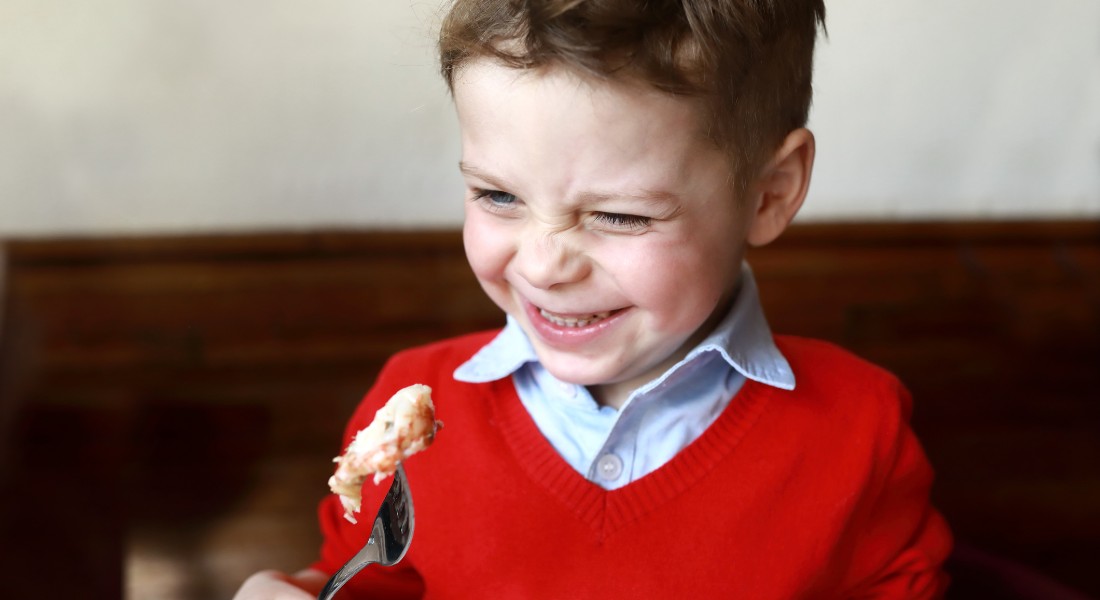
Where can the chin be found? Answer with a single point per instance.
(577, 370)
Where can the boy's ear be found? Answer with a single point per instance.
(782, 187)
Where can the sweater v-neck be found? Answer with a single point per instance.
(606, 511)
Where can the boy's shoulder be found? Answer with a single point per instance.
(832, 375)
(442, 356)
(820, 357)
(431, 364)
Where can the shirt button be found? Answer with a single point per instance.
(609, 467)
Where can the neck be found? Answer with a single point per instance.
(615, 394)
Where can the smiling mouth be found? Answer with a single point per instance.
(574, 320)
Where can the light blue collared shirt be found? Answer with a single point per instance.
(614, 447)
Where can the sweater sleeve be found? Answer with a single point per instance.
(901, 540)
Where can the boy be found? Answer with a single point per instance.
(636, 430)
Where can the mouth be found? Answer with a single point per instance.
(574, 320)
(569, 330)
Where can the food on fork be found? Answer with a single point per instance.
(404, 426)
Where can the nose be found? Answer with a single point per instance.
(547, 260)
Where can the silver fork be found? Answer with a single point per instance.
(389, 538)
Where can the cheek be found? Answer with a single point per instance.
(677, 284)
(487, 246)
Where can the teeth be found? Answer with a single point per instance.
(573, 321)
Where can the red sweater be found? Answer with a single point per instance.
(819, 492)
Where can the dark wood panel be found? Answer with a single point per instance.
(204, 356)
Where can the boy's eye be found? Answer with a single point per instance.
(495, 197)
(621, 221)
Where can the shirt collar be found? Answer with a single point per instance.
(743, 339)
(504, 355)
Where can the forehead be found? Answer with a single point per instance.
(554, 103)
(551, 133)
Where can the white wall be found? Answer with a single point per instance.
(958, 108)
(144, 116)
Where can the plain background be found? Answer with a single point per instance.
(152, 116)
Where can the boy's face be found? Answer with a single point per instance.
(599, 217)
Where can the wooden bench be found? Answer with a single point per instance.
(179, 385)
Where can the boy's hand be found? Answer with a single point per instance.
(274, 585)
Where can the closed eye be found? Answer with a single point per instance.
(622, 221)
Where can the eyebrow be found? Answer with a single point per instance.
(469, 169)
(476, 172)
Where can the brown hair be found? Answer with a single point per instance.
(750, 61)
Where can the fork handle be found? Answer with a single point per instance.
(368, 554)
